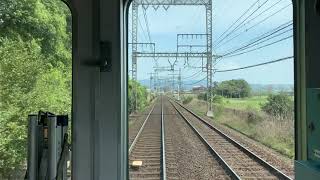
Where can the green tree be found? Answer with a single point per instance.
(21, 63)
(279, 105)
(35, 71)
(235, 88)
(18, 75)
(41, 20)
(142, 96)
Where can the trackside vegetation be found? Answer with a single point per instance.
(35, 72)
(143, 96)
(267, 119)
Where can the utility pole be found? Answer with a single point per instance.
(172, 89)
(179, 87)
(208, 53)
(134, 51)
(153, 77)
(209, 57)
(173, 79)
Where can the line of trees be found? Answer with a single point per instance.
(235, 88)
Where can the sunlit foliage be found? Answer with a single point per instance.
(35, 71)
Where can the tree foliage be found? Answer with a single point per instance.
(186, 99)
(279, 105)
(235, 88)
(142, 96)
(215, 98)
(35, 71)
(41, 20)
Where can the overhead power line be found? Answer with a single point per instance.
(196, 82)
(266, 10)
(147, 24)
(143, 31)
(217, 46)
(257, 42)
(280, 27)
(251, 66)
(260, 47)
(261, 37)
(243, 14)
(242, 22)
(194, 75)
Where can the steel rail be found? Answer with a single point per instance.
(163, 147)
(163, 154)
(141, 129)
(225, 165)
(262, 162)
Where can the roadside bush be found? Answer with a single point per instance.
(279, 106)
(215, 99)
(187, 99)
(202, 96)
(142, 96)
(253, 117)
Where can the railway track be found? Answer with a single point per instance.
(240, 162)
(148, 147)
(187, 157)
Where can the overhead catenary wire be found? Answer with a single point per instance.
(147, 24)
(194, 75)
(255, 65)
(266, 10)
(247, 67)
(243, 14)
(257, 42)
(242, 22)
(196, 81)
(234, 27)
(259, 38)
(251, 27)
(280, 27)
(266, 45)
(143, 31)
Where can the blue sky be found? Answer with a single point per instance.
(164, 25)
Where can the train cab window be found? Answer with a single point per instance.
(35, 86)
(210, 89)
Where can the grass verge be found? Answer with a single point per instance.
(278, 135)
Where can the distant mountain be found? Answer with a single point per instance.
(271, 87)
(187, 85)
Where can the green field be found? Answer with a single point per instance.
(254, 102)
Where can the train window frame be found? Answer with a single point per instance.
(299, 75)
